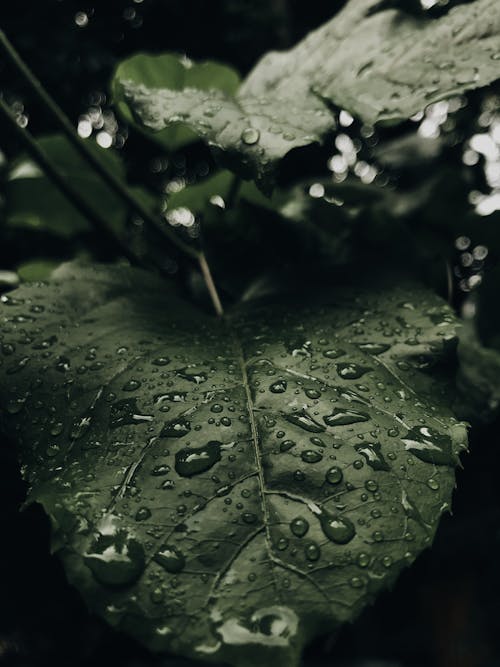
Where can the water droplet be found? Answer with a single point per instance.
(192, 376)
(56, 429)
(131, 385)
(363, 559)
(115, 559)
(63, 364)
(299, 348)
(250, 136)
(312, 393)
(170, 558)
(282, 544)
(372, 455)
(430, 446)
(305, 421)
(176, 428)
(337, 529)
(161, 361)
(341, 417)
(312, 551)
(278, 387)
(142, 514)
(173, 397)
(311, 456)
(125, 412)
(52, 450)
(286, 445)
(333, 353)
(299, 527)
(157, 595)
(387, 561)
(193, 461)
(160, 470)
(374, 348)
(351, 371)
(334, 475)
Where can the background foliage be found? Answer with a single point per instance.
(419, 197)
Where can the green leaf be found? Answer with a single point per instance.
(250, 134)
(172, 72)
(197, 197)
(37, 269)
(381, 65)
(230, 489)
(32, 201)
(212, 190)
(387, 65)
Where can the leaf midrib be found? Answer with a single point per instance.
(257, 453)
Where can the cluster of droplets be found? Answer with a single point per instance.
(484, 147)
(190, 485)
(100, 121)
(469, 269)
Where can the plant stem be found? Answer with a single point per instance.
(207, 276)
(69, 131)
(108, 177)
(232, 195)
(449, 281)
(63, 184)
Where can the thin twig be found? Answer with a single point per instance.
(207, 275)
(67, 189)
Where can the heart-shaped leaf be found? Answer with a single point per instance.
(229, 489)
(380, 64)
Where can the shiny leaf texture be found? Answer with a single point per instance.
(226, 490)
(379, 64)
(172, 72)
(385, 65)
(248, 133)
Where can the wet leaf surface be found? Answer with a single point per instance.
(406, 63)
(175, 73)
(228, 490)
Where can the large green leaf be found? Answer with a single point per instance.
(386, 65)
(176, 73)
(229, 489)
(380, 64)
(32, 201)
